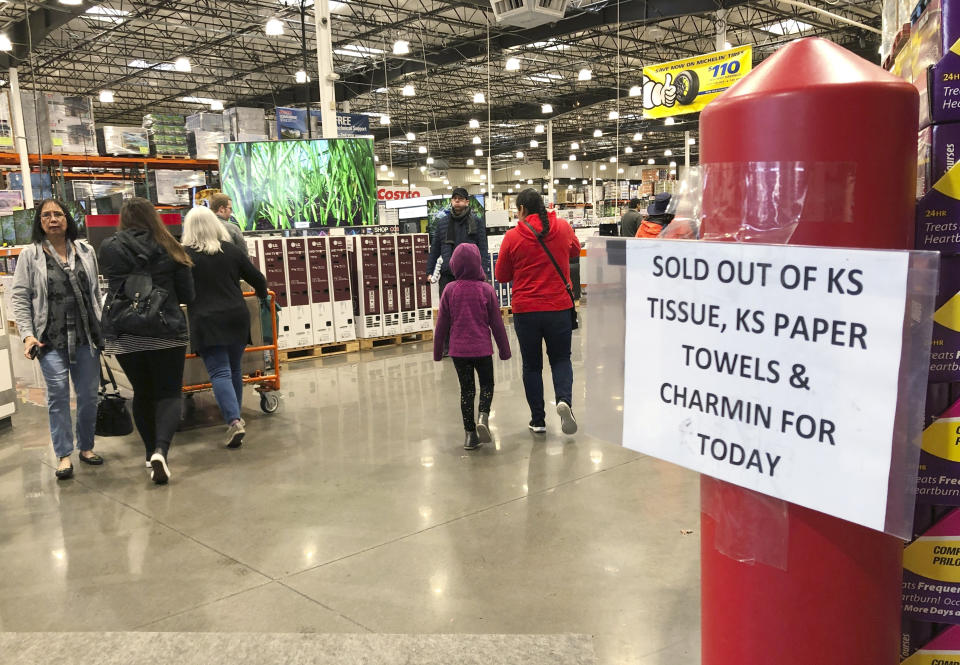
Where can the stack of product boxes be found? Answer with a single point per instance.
(125, 141)
(205, 133)
(167, 134)
(924, 41)
(245, 124)
(53, 123)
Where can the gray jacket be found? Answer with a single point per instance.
(236, 235)
(29, 294)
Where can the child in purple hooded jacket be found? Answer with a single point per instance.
(468, 312)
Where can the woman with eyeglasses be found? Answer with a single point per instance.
(56, 304)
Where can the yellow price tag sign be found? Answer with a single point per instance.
(687, 86)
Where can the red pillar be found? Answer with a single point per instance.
(822, 145)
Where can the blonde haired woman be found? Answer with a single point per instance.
(219, 319)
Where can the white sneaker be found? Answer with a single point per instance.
(235, 434)
(161, 472)
(567, 422)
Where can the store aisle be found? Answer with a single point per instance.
(354, 509)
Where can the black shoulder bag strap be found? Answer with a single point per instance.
(108, 380)
(566, 284)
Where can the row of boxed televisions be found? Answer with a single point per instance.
(335, 289)
(60, 124)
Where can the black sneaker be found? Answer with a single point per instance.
(471, 441)
(538, 427)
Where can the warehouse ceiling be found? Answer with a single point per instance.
(456, 50)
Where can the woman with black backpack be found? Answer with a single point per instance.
(149, 276)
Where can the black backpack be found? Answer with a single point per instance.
(137, 306)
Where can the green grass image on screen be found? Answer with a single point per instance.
(291, 184)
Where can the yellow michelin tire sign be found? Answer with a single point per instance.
(688, 85)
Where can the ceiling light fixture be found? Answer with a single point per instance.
(584, 75)
(477, 140)
(474, 123)
(519, 154)
(408, 91)
(597, 133)
(300, 76)
(628, 149)
(411, 136)
(603, 167)
(71, 2)
(572, 158)
(613, 160)
(635, 91)
(476, 172)
(619, 170)
(546, 108)
(516, 172)
(574, 146)
(422, 150)
(651, 161)
(390, 175)
(538, 129)
(513, 65)
(669, 121)
(692, 142)
(478, 98)
(534, 143)
(181, 64)
(383, 167)
(422, 169)
(673, 165)
(638, 136)
(563, 166)
(478, 152)
(384, 119)
(106, 96)
(613, 115)
(470, 161)
(216, 105)
(5, 44)
(401, 47)
(273, 28)
(668, 153)
(429, 160)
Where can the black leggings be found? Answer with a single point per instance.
(468, 390)
(157, 380)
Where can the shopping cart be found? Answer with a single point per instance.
(261, 360)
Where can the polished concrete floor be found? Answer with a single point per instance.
(354, 510)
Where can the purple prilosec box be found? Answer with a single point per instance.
(938, 149)
(945, 346)
(937, 30)
(928, 592)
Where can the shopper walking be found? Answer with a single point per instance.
(148, 273)
(455, 226)
(222, 207)
(468, 313)
(219, 318)
(56, 305)
(631, 219)
(542, 303)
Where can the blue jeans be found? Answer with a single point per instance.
(85, 373)
(556, 329)
(224, 365)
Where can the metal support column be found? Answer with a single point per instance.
(553, 190)
(721, 26)
(20, 138)
(328, 98)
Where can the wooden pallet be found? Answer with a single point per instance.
(319, 351)
(370, 343)
(186, 156)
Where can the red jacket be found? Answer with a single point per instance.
(536, 285)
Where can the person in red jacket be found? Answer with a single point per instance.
(541, 303)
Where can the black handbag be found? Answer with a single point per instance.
(574, 321)
(113, 418)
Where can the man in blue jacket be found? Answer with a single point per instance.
(456, 225)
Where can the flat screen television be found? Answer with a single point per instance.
(300, 184)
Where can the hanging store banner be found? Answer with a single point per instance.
(688, 85)
(775, 368)
(292, 124)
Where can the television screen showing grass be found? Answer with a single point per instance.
(298, 184)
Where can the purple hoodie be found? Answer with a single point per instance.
(469, 310)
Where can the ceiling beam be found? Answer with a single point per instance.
(631, 11)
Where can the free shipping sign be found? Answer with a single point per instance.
(774, 368)
(688, 85)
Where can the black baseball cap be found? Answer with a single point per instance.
(459, 191)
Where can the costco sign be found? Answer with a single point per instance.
(385, 194)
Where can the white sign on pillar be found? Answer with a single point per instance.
(774, 368)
